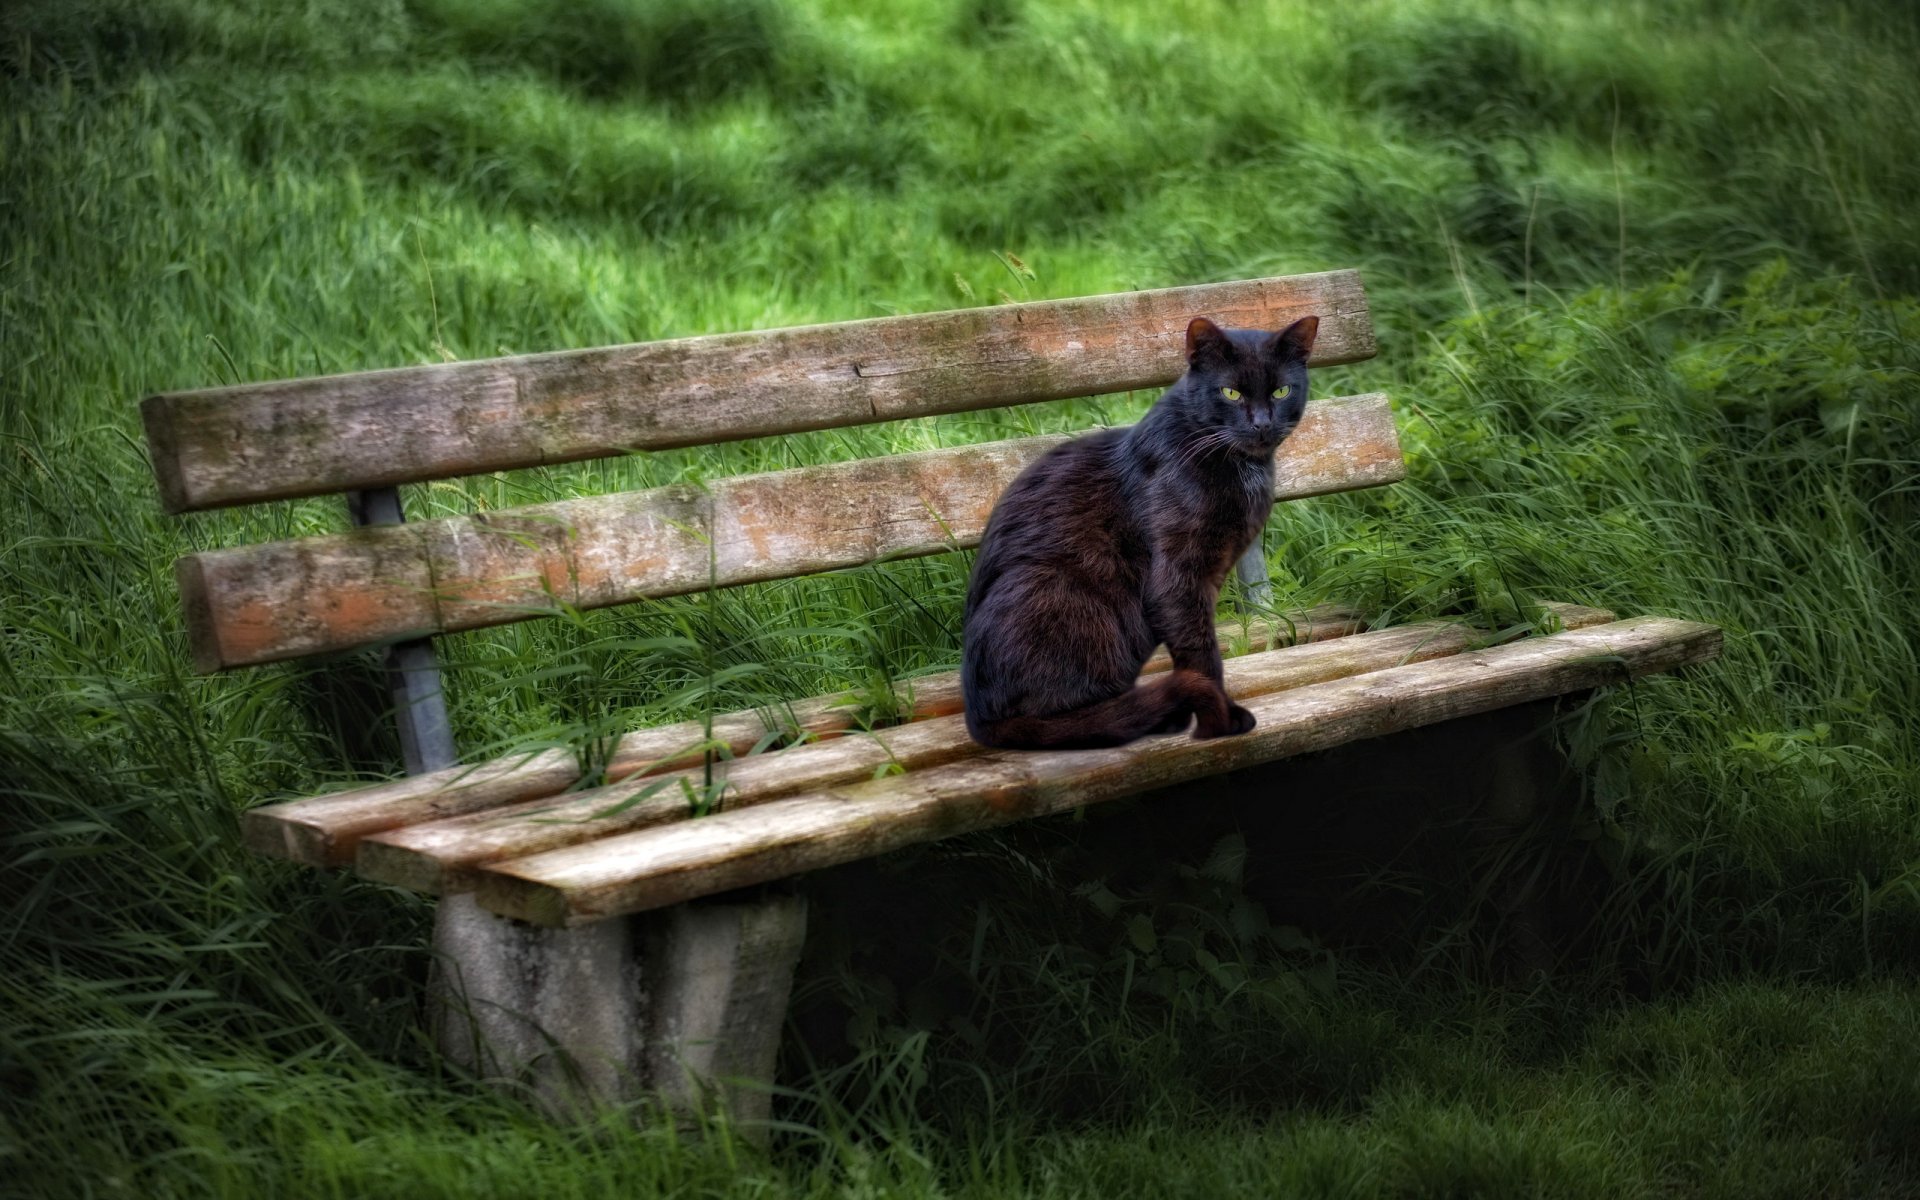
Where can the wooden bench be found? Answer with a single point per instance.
(597, 943)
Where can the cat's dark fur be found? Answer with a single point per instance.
(1117, 542)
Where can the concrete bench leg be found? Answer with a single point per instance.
(553, 1010)
(717, 976)
(1524, 777)
(685, 1004)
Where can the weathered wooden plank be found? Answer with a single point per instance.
(258, 604)
(323, 831)
(659, 866)
(303, 437)
(442, 855)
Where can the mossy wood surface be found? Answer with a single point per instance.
(305, 437)
(280, 600)
(325, 831)
(664, 865)
(446, 855)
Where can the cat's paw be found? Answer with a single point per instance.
(1239, 720)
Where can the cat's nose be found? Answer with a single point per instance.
(1265, 427)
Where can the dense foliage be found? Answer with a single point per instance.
(1648, 283)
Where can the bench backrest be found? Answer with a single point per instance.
(262, 603)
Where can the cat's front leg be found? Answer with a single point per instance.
(1181, 594)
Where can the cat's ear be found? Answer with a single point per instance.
(1206, 343)
(1295, 342)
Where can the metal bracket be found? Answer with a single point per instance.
(413, 671)
(1251, 571)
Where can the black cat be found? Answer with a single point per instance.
(1117, 542)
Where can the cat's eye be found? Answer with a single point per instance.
(1280, 393)
(1230, 393)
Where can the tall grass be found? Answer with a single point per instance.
(1645, 277)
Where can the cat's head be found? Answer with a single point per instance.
(1249, 383)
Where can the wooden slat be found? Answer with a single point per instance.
(258, 604)
(660, 866)
(305, 437)
(441, 856)
(324, 831)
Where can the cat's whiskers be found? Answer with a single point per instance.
(1191, 451)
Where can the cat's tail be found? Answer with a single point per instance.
(1162, 705)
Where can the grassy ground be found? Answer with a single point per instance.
(1646, 278)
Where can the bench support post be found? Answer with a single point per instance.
(685, 1005)
(1251, 571)
(716, 975)
(549, 1010)
(419, 706)
(1524, 778)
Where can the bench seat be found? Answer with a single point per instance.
(510, 832)
(978, 789)
(326, 830)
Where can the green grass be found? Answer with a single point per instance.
(1646, 281)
